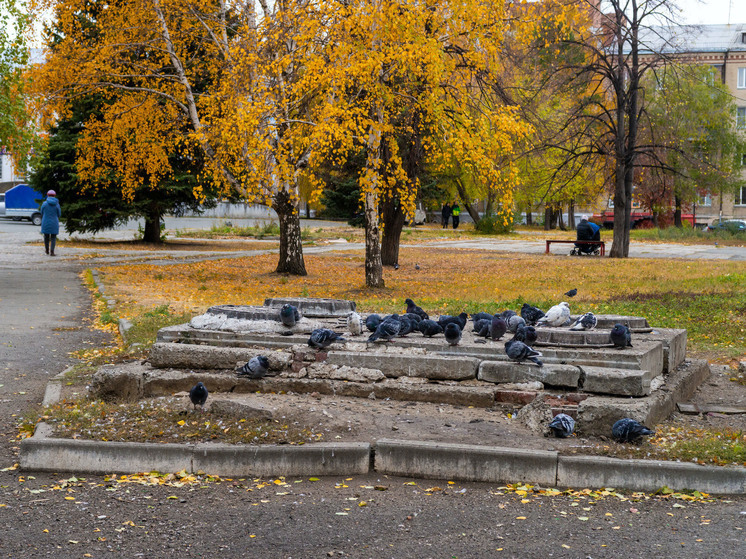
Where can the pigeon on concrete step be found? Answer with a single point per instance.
(482, 327)
(354, 323)
(387, 329)
(452, 333)
(514, 322)
(526, 334)
(460, 320)
(518, 351)
(531, 314)
(198, 395)
(255, 368)
(629, 431)
(498, 327)
(587, 321)
(558, 315)
(289, 315)
(322, 338)
(372, 321)
(620, 336)
(562, 426)
(430, 328)
(412, 308)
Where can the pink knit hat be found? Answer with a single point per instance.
(51, 193)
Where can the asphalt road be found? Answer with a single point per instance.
(43, 317)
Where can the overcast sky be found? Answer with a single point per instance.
(712, 11)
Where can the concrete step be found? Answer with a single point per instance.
(315, 308)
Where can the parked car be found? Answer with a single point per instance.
(732, 225)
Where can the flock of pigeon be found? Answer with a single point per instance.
(485, 325)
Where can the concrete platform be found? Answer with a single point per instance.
(315, 308)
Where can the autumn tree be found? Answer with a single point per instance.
(17, 132)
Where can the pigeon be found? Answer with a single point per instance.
(628, 431)
(387, 329)
(526, 334)
(452, 333)
(518, 351)
(289, 315)
(416, 266)
(323, 337)
(354, 323)
(531, 314)
(562, 426)
(587, 321)
(407, 326)
(413, 317)
(498, 327)
(572, 292)
(256, 367)
(507, 314)
(482, 327)
(198, 395)
(460, 320)
(430, 328)
(514, 322)
(558, 315)
(476, 317)
(620, 336)
(414, 309)
(372, 321)
(396, 266)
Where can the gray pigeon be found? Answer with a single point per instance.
(498, 327)
(256, 367)
(289, 315)
(620, 336)
(413, 317)
(587, 321)
(531, 314)
(460, 320)
(572, 292)
(514, 322)
(354, 323)
(452, 333)
(482, 327)
(372, 321)
(476, 317)
(198, 395)
(387, 329)
(407, 326)
(414, 309)
(430, 328)
(526, 334)
(629, 431)
(518, 351)
(507, 314)
(562, 425)
(558, 315)
(323, 337)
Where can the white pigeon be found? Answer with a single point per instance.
(354, 323)
(558, 315)
(587, 321)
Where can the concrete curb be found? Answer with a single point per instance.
(53, 391)
(386, 456)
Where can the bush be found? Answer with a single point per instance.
(494, 225)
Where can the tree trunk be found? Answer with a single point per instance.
(393, 223)
(291, 246)
(373, 263)
(560, 220)
(466, 200)
(547, 218)
(529, 216)
(571, 214)
(152, 232)
(677, 213)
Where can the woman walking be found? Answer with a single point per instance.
(50, 221)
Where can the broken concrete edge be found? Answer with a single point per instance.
(428, 460)
(53, 391)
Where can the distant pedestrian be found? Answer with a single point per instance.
(455, 212)
(445, 213)
(50, 221)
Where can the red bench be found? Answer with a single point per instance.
(600, 244)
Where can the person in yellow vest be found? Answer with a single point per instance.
(455, 212)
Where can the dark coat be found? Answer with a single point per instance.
(50, 216)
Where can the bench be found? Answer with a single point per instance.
(600, 244)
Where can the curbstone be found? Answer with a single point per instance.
(275, 460)
(648, 475)
(501, 372)
(67, 455)
(465, 462)
(438, 367)
(53, 390)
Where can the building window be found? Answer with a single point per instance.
(741, 117)
(741, 196)
(741, 78)
(743, 38)
(705, 200)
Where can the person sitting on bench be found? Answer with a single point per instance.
(587, 231)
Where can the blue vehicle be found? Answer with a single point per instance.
(21, 202)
